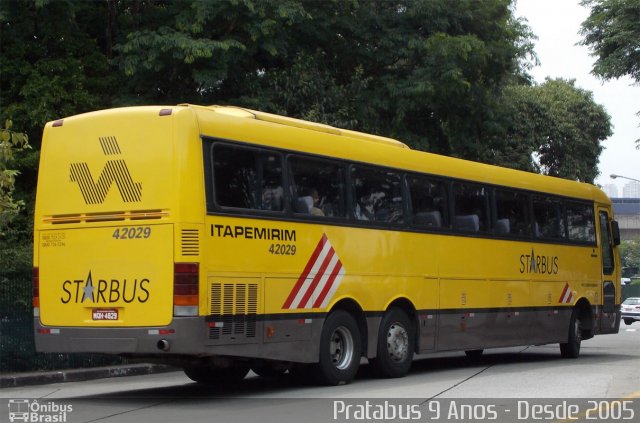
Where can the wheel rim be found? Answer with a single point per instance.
(341, 348)
(578, 331)
(397, 342)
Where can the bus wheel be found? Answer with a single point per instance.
(628, 321)
(395, 345)
(214, 375)
(571, 349)
(339, 349)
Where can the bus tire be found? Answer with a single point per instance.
(628, 321)
(571, 349)
(395, 345)
(339, 349)
(213, 375)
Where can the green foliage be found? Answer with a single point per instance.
(555, 128)
(203, 51)
(50, 64)
(630, 257)
(612, 31)
(10, 143)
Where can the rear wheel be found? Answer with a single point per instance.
(210, 374)
(571, 349)
(339, 349)
(395, 345)
(628, 321)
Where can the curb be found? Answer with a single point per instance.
(78, 375)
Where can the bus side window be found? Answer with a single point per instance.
(471, 207)
(377, 195)
(512, 213)
(429, 202)
(548, 218)
(247, 178)
(316, 187)
(580, 222)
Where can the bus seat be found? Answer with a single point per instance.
(469, 222)
(303, 204)
(503, 226)
(432, 219)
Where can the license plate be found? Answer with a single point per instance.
(102, 314)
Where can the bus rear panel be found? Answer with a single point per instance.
(116, 267)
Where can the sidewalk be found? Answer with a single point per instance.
(13, 380)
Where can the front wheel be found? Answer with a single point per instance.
(628, 321)
(339, 349)
(571, 349)
(395, 345)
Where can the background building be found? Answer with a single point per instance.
(611, 190)
(631, 190)
(627, 213)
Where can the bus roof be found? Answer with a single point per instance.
(357, 146)
(303, 124)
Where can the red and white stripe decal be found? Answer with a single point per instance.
(319, 280)
(567, 295)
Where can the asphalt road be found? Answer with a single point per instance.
(506, 385)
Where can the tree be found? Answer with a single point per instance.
(554, 128)
(630, 257)
(612, 31)
(423, 71)
(10, 143)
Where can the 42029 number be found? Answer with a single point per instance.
(283, 249)
(134, 232)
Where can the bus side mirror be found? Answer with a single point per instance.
(615, 232)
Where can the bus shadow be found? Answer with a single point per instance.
(423, 365)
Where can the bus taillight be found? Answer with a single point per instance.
(185, 289)
(36, 291)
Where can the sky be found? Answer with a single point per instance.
(556, 23)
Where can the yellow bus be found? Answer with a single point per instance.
(222, 239)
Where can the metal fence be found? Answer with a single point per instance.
(17, 344)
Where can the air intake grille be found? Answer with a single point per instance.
(190, 242)
(233, 310)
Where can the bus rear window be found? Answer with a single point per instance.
(247, 178)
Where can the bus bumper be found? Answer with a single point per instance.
(184, 337)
